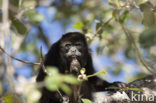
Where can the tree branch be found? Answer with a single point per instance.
(26, 62)
(100, 28)
(137, 51)
(45, 39)
(148, 95)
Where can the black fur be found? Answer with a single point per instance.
(54, 57)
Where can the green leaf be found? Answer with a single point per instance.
(70, 79)
(86, 100)
(32, 93)
(53, 82)
(148, 37)
(83, 70)
(113, 3)
(88, 38)
(52, 71)
(31, 47)
(8, 98)
(20, 27)
(98, 73)
(33, 16)
(141, 1)
(29, 3)
(11, 98)
(135, 89)
(129, 53)
(149, 18)
(124, 17)
(14, 2)
(99, 25)
(78, 25)
(116, 13)
(66, 89)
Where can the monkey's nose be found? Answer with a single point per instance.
(73, 51)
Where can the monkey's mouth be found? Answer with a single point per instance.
(75, 71)
(73, 56)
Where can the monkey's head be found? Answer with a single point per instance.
(73, 48)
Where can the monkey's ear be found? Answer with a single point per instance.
(52, 55)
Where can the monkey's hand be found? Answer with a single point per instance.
(117, 86)
(75, 67)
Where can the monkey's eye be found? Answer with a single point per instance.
(78, 44)
(67, 45)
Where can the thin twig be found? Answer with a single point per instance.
(26, 62)
(136, 49)
(42, 60)
(45, 39)
(60, 94)
(100, 28)
(79, 92)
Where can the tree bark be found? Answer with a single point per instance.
(148, 95)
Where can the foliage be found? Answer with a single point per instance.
(147, 37)
(125, 89)
(31, 24)
(32, 94)
(86, 101)
(78, 25)
(55, 80)
(10, 98)
(83, 76)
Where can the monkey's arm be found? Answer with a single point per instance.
(101, 85)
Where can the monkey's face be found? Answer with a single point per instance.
(73, 53)
(73, 50)
(73, 46)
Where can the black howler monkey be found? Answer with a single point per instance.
(69, 55)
